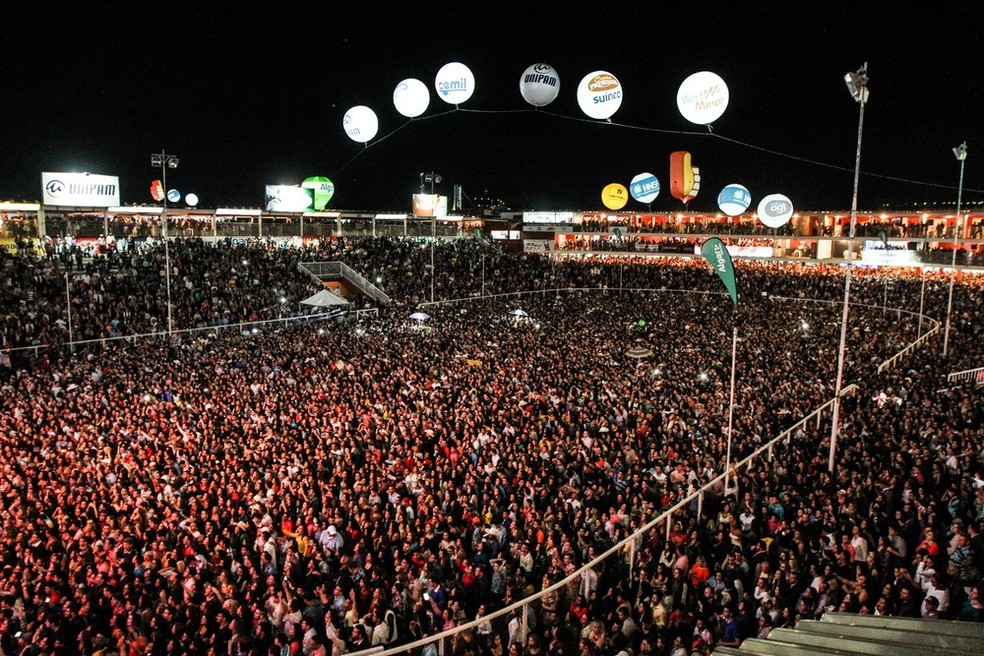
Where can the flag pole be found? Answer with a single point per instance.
(731, 405)
(716, 253)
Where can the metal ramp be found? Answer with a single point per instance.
(322, 271)
(865, 635)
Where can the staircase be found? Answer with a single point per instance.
(322, 271)
(843, 633)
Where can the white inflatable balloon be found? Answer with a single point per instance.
(411, 97)
(191, 200)
(539, 85)
(360, 124)
(599, 95)
(775, 210)
(702, 98)
(454, 83)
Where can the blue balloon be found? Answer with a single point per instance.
(734, 199)
(173, 195)
(644, 187)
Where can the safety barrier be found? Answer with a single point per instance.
(522, 612)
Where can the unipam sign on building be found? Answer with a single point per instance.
(80, 189)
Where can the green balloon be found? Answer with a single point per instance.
(642, 322)
(321, 189)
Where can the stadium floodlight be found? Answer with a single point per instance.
(857, 84)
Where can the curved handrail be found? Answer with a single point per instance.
(667, 515)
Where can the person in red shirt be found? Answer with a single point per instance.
(929, 544)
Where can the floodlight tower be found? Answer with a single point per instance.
(163, 161)
(857, 84)
(961, 154)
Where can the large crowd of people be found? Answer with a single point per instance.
(327, 487)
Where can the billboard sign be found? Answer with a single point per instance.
(430, 205)
(313, 194)
(80, 189)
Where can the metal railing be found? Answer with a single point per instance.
(976, 375)
(244, 327)
(442, 643)
(336, 269)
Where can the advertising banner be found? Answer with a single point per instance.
(537, 245)
(80, 189)
(430, 205)
(288, 198)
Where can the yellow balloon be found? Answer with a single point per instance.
(615, 196)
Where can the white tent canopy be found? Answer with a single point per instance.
(324, 298)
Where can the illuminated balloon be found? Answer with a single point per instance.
(684, 177)
(322, 189)
(614, 196)
(734, 199)
(599, 95)
(454, 83)
(157, 190)
(644, 187)
(411, 97)
(173, 195)
(191, 200)
(702, 98)
(360, 124)
(775, 210)
(539, 85)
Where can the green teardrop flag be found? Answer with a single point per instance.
(719, 258)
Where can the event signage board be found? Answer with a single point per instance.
(287, 198)
(80, 189)
(430, 205)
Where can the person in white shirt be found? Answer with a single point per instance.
(860, 544)
(935, 589)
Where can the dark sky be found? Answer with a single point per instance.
(254, 94)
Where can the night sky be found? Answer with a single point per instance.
(250, 95)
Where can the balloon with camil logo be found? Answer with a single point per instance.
(454, 83)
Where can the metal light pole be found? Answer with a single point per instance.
(431, 177)
(433, 239)
(857, 84)
(68, 297)
(164, 161)
(961, 154)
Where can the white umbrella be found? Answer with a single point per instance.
(638, 352)
(518, 313)
(420, 316)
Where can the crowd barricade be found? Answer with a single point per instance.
(443, 643)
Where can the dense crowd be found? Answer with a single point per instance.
(327, 487)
